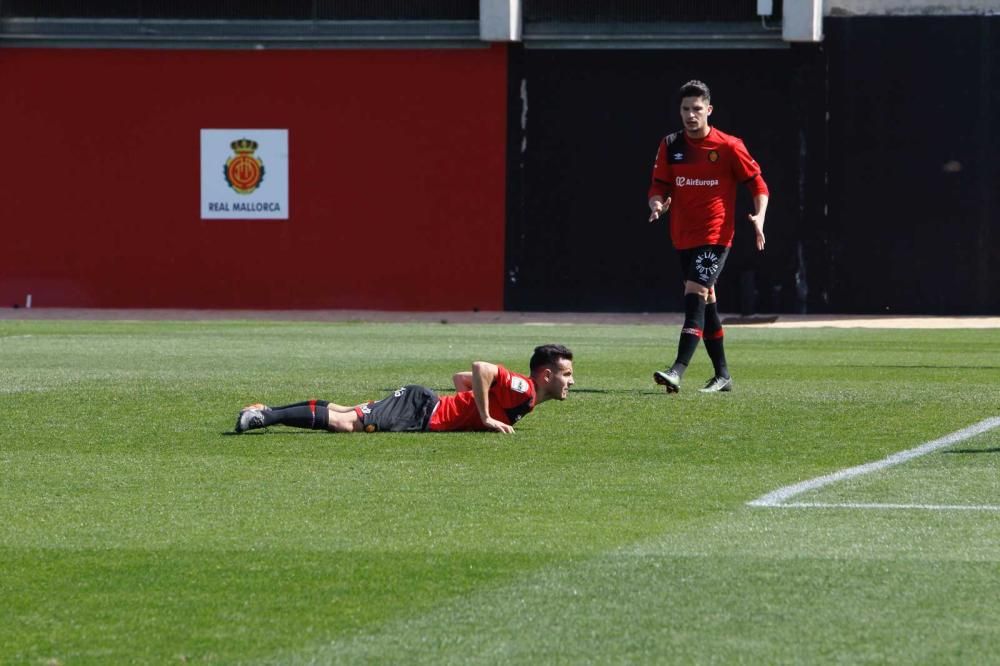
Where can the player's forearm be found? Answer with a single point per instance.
(760, 204)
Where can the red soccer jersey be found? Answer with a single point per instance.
(511, 397)
(700, 176)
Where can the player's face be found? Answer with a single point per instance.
(559, 379)
(694, 114)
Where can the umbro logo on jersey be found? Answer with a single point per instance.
(678, 156)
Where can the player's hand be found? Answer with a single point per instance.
(758, 229)
(658, 208)
(498, 426)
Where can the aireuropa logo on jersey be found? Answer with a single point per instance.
(244, 174)
(681, 181)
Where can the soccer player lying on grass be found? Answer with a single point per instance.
(490, 397)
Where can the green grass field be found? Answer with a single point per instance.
(611, 528)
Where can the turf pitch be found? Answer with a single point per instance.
(611, 528)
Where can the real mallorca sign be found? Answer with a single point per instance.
(244, 174)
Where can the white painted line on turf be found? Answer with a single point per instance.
(779, 497)
(863, 505)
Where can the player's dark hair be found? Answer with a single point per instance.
(549, 355)
(694, 88)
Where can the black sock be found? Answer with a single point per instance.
(713, 337)
(305, 403)
(694, 322)
(312, 414)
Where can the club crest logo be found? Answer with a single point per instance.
(713, 156)
(244, 171)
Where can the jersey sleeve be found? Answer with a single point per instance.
(745, 167)
(661, 184)
(746, 170)
(510, 389)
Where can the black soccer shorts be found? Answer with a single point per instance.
(408, 409)
(703, 264)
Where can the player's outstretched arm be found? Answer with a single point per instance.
(483, 376)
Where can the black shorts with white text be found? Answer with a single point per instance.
(408, 409)
(703, 264)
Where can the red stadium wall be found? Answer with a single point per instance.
(396, 179)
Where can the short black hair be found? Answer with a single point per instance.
(694, 88)
(549, 355)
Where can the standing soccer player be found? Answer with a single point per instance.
(695, 178)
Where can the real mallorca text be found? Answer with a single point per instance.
(244, 207)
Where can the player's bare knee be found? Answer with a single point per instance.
(695, 288)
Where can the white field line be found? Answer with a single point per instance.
(873, 505)
(780, 497)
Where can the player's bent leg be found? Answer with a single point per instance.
(691, 334)
(695, 296)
